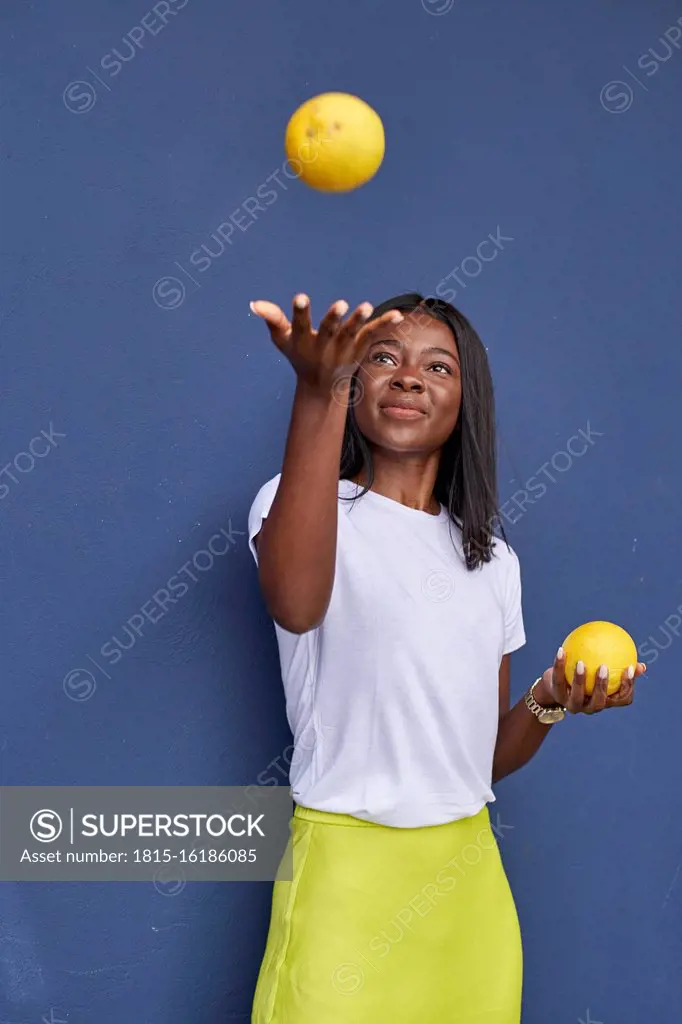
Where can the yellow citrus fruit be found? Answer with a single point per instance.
(335, 142)
(599, 643)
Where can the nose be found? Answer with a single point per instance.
(406, 379)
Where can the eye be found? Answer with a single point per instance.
(379, 356)
(442, 366)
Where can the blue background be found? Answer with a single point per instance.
(174, 417)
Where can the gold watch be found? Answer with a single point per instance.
(546, 715)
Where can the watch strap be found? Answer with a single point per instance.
(538, 709)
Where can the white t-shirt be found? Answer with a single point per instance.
(393, 700)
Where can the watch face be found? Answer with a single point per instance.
(551, 715)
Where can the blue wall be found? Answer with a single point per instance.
(167, 407)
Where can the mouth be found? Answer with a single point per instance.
(402, 410)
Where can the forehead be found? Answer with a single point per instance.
(418, 328)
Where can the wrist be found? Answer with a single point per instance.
(320, 404)
(543, 694)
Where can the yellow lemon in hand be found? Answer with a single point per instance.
(335, 142)
(600, 643)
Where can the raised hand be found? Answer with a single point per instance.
(326, 358)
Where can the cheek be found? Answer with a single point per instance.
(373, 376)
(446, 392)
(367, 389)
(448, 408)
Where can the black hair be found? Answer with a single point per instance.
(466, 482)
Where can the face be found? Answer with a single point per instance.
(411, 386)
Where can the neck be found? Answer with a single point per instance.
(407, 479)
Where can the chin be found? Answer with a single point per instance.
(401, 439)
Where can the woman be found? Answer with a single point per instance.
(396, 611)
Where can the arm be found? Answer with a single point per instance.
(520, 735)
(297, 542)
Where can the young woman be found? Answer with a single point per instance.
(396, 608)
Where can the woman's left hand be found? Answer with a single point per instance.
(573, 698)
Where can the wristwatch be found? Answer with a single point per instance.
(546, 715)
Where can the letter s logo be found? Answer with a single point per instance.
(46, 826)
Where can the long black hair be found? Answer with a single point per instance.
(466, 482)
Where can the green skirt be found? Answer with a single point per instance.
(384, 925)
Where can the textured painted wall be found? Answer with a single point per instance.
(151, 406)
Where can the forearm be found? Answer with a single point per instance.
(520, 735)
(297, 546)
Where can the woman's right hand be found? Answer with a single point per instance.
(324, 359)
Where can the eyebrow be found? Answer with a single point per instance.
(399, 345)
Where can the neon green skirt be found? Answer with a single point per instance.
(385, 925)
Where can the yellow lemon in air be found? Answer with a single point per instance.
(335, 142)
(600, 643)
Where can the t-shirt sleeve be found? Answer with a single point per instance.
(262, 504)
(514, 632)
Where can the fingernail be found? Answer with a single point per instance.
(366, 310)
(252, 307)
(395, 318)
(631, 671)
(560, 654)
(580, 668)
(341, 307)
(301, 301)
(603, 672)
(644, 666)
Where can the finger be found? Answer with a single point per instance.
(366, 336)
(576, 698)
(331, 321)
(359, 333)
(277, 323)
(355, 321)
(355, 336)
(345, 337)
(624, 694)
(301, 326)
(559, 684)
(368, 331)
(392, 316)
(597, 701)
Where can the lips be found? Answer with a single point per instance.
(402, 410)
